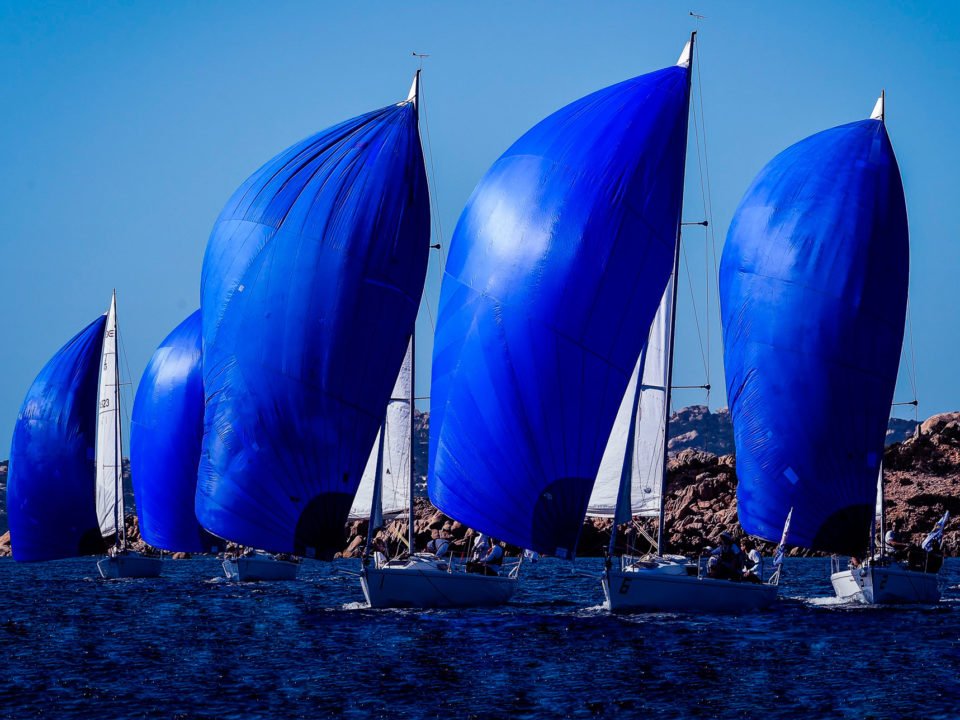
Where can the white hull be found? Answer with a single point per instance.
(420, 584)
(129, 565)
(891, 585)
(672, 592)
(260, 567)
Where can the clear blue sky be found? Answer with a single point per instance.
(126, 126)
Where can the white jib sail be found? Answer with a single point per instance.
(109, 465)
(646, 461)
(396, 452)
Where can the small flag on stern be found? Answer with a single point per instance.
(781, 548)
(936, 535)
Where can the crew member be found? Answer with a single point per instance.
(893, 544)
(753, 572)
(480, 547)
(726, 561)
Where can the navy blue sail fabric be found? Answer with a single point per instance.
(556, 268)
(311, 284)
(813, 291)
(166, 431)
(51, 489)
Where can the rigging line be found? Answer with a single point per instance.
(706, 236)
(706, 163)
(696, 316)
(913, 361)
(434, 201)
(435, 195)
(123, 354)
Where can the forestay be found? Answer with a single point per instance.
(166, 431)
(813, 290)
(556, 268)
(110, 511)
(52, 475)
(311, 283)
(643, 413)
(396, 449)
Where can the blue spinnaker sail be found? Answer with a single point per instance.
(311, 284)
(556, 269)
(813, 291)
(166, 431)
(51, 488)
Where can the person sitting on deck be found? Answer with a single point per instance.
(753, 572)
(378, 549)
(726, 561)
(489, 563)
(445, 541)
(480, 547)
(893, 545)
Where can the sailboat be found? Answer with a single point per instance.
(813, 294)
(417, 579)
(311, 282)
(65, 488)
(120, 561)
(632, 483)
(166, 430)
(884, 579)
(557, 266)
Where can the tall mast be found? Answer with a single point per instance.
(880, 113)
(414, 93)
(661, 535)
(413, 395)
(118, 448)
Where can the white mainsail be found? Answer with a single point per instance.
(395, 489)
(645, 462)
(109, 489)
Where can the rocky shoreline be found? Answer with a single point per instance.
(922, 481)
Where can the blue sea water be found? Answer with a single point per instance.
(191, 645)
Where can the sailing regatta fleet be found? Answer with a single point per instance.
(285, 404)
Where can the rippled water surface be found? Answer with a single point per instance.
(191, 645)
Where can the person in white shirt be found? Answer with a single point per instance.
(892, 544)
(487, 562)
(753, 572)
(480, 546)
